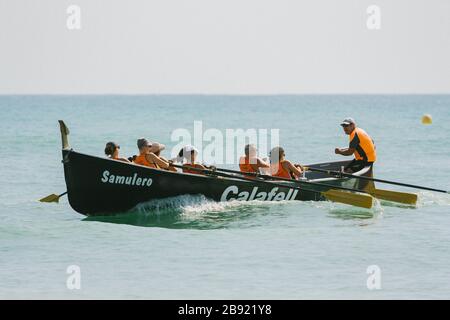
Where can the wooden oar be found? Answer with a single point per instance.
(53, 198)
(354, 199)
(301, 182)
(388, 195)
(330, 172)
(394, 196)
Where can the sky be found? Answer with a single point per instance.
(224, 47)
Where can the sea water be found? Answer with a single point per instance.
(192, 247)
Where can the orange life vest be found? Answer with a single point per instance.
(278, 170)
(195, 165)
(142, 160)
(363, 145)
(245, 166)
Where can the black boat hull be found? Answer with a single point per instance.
(100, 186)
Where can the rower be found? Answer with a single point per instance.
(156, 148)
(280, 167)
(361, 145)
(189, 153)
(147, 158)
(250, 161)
(112, 152)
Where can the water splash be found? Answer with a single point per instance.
(169, 205)
(428, 198)
(199, 212)
(345, 212)
(191, 212)
(197, 205)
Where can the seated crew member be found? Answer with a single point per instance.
(280, 167)
(250, 161)
(189, 153)
(156, 148)
(361, 145)
(147, 158)
(112, 151)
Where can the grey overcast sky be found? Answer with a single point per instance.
(224, 46)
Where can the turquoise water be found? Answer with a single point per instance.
(190, 247)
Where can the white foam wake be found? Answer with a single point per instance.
(198, 204)
(428, 198)
(376, 211)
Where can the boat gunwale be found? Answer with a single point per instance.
(156, 171)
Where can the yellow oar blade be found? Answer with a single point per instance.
(394, 196)
(50, 198)
(354, 199)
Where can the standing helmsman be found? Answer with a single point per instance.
(361, 145)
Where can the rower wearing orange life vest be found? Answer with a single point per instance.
(112, 151)
(156, 148)
(361, 145)
(147, 158)
(280, 167)
(250, 161)
(189, 153)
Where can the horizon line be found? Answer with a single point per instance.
(232, 94)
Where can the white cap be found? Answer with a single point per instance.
(185, 153)
(190, 148)
(347, 121)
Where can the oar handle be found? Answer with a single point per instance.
(300, 182)
(215, 172)
(331, 172)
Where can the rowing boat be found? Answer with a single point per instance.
(101, 186)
